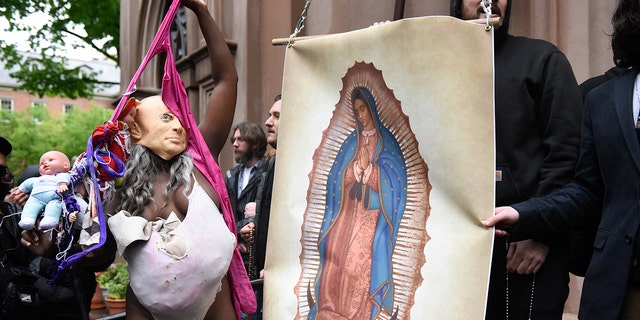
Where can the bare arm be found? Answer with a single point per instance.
(222, 103)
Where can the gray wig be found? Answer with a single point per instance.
(141, 171)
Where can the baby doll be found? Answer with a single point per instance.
(45, 191)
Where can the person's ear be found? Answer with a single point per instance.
(135, 132)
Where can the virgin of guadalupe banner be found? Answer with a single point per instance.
(385, 169)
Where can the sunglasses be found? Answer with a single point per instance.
(5, 176)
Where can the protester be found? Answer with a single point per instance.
(261, 209)
(605, 187)
(249, 146)
(25, 291)
(581, 238)
(537, 116)
(180, 268)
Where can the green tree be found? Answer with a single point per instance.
(78, 126)
(35, 131)
(45, 71)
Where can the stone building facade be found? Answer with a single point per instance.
(579, 28)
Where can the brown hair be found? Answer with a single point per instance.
(625, 40)
(254, 135)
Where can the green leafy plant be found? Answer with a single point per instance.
(36, 130)
(69, 23)
(116, 280)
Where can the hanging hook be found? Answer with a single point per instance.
(486, 6)
(300, 24)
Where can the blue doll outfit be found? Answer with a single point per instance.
(43, 195)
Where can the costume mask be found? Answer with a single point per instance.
(158, 129)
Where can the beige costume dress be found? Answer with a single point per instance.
(176, 271)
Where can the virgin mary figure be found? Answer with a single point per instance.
(365, 201)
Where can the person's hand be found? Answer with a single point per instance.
(16, 196)
(242, 247)
(245, 232)
(526, 257)
(262, 274)
(250, 210)
(63, 188)
(73, 216)
(504, 218)
(37, 241)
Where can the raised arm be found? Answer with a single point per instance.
(222, 102)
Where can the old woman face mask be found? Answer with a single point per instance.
(158, 129)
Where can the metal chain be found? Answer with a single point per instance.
(300, 24)
(533, 287)
(506, 295)
(486, 6)
(250, 252)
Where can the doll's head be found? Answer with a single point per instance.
(128, 113)
(52, 162)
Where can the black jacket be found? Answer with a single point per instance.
(248, 194)
(24, 275)
(538, 109)
(263, 212)
(608, 180)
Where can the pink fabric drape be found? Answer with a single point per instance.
(175, 97)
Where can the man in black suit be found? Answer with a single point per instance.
(606, 185)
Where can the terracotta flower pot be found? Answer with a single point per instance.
(105, 293)
(115, 305)
(97, 301)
